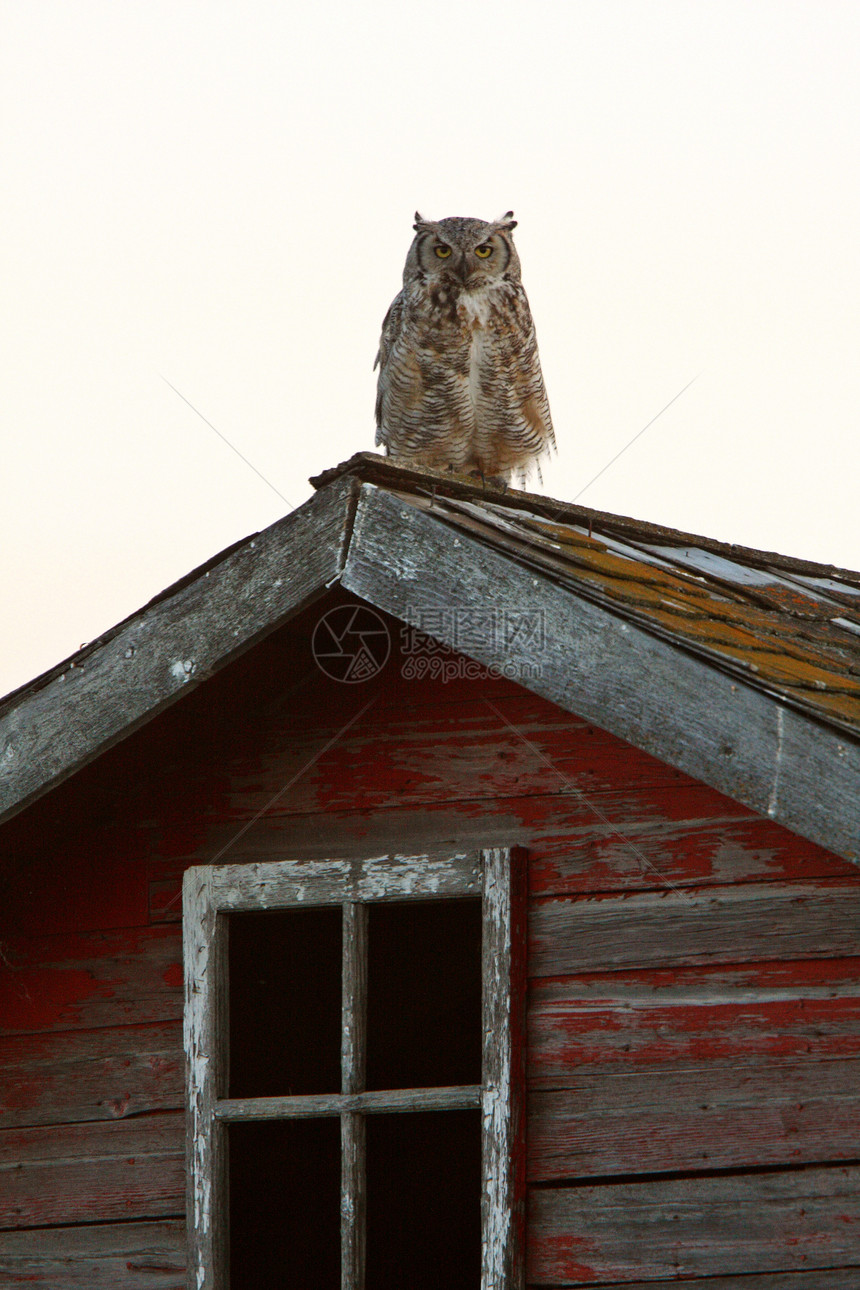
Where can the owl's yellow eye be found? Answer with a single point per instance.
(483, 252)
(443, 252)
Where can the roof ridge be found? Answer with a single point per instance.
(372, 468)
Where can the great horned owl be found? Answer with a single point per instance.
(460, 386)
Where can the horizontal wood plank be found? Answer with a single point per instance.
(93, 1172)
(165, 896)
(675, 1018)
(696, 1227)
(817, 1279)
(81, 861)
(70, 1075)
(709, 1117)
(110, 1256)
(72, 982)
(712, 925)
(617, 833)
(694, 852)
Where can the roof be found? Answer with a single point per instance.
(740, 667)
(781, 623)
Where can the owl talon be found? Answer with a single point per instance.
(490, 481)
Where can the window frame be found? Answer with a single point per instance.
(210, 894)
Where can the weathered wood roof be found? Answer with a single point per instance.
(740, 667)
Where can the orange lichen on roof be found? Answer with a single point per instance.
(778, 636)
(789, 626)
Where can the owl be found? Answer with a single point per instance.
(460, 385)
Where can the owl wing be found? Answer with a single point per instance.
(391, 325)
(528, 378)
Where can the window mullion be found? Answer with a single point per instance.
(353, 1073)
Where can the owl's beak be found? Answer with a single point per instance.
(465, 269)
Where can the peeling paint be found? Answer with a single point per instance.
(777, 767)
(182, 669)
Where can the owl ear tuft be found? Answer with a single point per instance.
(507, 220)
(420, 222)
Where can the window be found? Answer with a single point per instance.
(354, 1058)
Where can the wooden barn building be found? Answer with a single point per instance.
(521, 914)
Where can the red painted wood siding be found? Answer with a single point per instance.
(694, 996)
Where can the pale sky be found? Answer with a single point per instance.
(221, 195)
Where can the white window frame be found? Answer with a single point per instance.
(210, 894)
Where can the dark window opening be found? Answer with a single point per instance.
(424, 994)
(285, 1205)
(285, 1002)
(424, 1201)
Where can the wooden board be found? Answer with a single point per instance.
(655, 1020)
(78, 862)
(112, 1256)
(818, 1279)
(740, 924)
(695, 1227)
(605, 813)
(108, 1074)
(93, 1172)
(326, 882)
(695, 1118)
(83, 982)
(712, 850)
